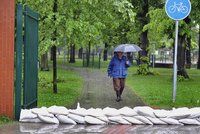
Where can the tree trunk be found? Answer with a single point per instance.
(54, 70)
(198, 63)
(54, 49)
(88, 54)
(44, 62)
(51, 54)
(188, 53)
(181, 57)
(80, 53)
(188, 45)
(105, 52)
(144, 20)
(72, 54)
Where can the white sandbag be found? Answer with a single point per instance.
(171, 121)
(95, 112)
(127, 111)
(198, 119)
(189, 121)
(179, 113)
(79, 111)
(31, 120)
(119, 120)
(156, 121)
(26, 114)
(78, 119)
(47, 119)
(161, 113)
(194, 112)
(133, 120)
(65, 119)
(103, 118)
(111, 111)
(42, 111)
(145, 111)
(144, 120)
(93, 120)
(58, 110)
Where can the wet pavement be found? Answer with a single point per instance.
(40, 128)
(98, 91)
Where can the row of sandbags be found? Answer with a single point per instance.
(138, 115)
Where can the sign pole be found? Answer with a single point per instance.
(175, 62)
(177, 10)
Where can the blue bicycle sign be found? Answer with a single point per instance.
(178, 9)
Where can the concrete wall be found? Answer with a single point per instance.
(7, 18)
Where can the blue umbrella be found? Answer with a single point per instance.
(127, 48)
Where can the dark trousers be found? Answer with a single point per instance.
(118, 84)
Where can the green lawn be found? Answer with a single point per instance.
(156, 90)
(69, 88)
(4, 120)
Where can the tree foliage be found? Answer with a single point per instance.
(81, 21)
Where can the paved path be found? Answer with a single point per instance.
(98, 91)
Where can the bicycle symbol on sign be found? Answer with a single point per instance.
(178, 7)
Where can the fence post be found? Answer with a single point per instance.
(19, 43)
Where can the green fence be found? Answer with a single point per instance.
(26, 50)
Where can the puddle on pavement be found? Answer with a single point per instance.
(33, 128)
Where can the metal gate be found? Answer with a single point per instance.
(26, 59)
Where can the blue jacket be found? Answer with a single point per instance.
(117, 67)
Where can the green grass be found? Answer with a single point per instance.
(5, 120)
(79, 63)
(69, 88)
(156, 91)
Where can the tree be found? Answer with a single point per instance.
(162, 26)
(195, 16)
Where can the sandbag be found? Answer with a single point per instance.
(198, 119)
(161, 113)
(93, 120)
(111, 111)
(189, 121)
(26, 114)
(95, 112)
(179, 113)
(144, 120)
(47, 119)
(65, 119)
(79, 111)
(31, 120)
(77, 118)
(133, 120)
(127, 111)
(145, 111)
(194, 112)
(42, 111)
(156, 121)
(58, 110)
(119, 120)
(103, 118)
(171, 121)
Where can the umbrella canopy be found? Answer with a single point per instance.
(127, 48)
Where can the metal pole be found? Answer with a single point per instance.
(175, 63)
